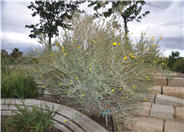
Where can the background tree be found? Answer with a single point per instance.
(16, 53)
(4, 53)
(52, 15)
(173, 59)
(128, 10)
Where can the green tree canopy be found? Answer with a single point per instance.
(128, 10)
(53, 14)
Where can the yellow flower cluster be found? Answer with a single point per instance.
(115, 43)
(130, 54)
(125, 58)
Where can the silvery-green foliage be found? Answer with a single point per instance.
(100, 69)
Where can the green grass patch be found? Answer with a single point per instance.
(35, 120)
(16, 83)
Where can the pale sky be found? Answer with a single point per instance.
(165, 20)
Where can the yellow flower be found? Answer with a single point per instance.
(34, 71)
(112, 90)
(57, 44)
(125, 58)
(130, 54)
(43, 86)
(155, 62)
(79, 47)
(149, 79)
(90, 69)
(92, 41)
(122, 97)
(161, 37)
(71, 81)
(145, 99)
(166, 57)
(134, 86)
(121, 88)
(153, 45)
(61, 74)
(132, 57)
(40, 76)
(34, 48)
(37, 51)
(114, 43)
(76, 78)
(60, 83)
(152, 40)
(63, 47)
(147, 48)
(65, 54)
(51, 54)
(96, 92)
(83, 95)
(163, 63)
(62, 50)
(152, 36)
(118, 43)
(65, 121)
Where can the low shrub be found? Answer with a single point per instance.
(16, 83)
(100, 68)
(27, 120)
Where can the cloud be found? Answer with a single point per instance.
(165, 19)
(175, 43)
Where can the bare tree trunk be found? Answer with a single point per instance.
(125, 26)
(50, 47)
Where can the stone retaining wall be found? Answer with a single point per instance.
(66, 119)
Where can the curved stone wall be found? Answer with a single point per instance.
(66, 119)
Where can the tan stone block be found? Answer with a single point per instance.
(176, 82)
(173, 126)
(155, 90)
(148, 125)
(160, 81)
(146, 109)
(179, 113)
(169, 100)
(174, 91)
(162, 111)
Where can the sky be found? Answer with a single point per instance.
(165, 20)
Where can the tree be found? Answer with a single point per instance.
(4, 53)
(52, 15)
(173, 58)
(16, 53)
(128, 10)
